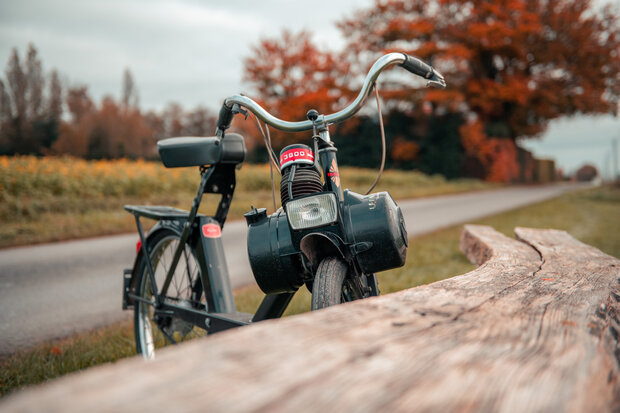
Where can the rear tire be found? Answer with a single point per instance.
(153, 332)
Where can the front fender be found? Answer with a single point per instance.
(318, 245)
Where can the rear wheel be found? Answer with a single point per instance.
(332, 286)
(154, 330)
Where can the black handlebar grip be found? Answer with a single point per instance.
(417, 67)
(225, 117)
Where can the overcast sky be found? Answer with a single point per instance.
(192, 52)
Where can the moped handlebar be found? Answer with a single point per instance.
(410, 63)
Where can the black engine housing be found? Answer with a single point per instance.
(375, 231)
(371, 231)
(275, 261)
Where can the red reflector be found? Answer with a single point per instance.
(138, 246)
(211, 231)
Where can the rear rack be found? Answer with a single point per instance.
(158, 212)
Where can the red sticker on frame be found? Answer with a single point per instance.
(211, 231)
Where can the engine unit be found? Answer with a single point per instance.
(371, 230)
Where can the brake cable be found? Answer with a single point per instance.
(376, 89)
(267, 140)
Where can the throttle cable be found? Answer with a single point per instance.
(376, 89)
(271, 153)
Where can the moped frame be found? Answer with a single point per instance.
(210, 255)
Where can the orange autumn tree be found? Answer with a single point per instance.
(511, 65)
(110, 130)
(292, 75)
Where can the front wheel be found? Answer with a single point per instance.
(332, 286)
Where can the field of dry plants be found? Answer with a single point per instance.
(52, 199)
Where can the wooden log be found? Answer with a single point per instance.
(534, 328)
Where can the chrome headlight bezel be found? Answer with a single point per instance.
(323, 206)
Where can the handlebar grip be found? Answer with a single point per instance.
(225, 117)
(417, 67)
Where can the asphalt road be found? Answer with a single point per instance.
(54, 290)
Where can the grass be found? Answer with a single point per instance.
(590, 216)
(60, 357)
(53, 199)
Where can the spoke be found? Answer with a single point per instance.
(190, 285)
(175, 282)
(161, 257)
(162, 269)
(172, 249)
(196, 278)
(187, 266)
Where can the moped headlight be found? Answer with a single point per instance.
(312, 211)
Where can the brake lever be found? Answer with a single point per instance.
(436, 80)
(238, 109)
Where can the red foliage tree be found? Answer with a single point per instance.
(73, 134)
(111, 130)
(32, 121)
(511, 65)
(292, 75)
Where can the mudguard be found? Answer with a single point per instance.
(318, 245)
(131, 284)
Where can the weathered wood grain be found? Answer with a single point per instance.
(534, 328)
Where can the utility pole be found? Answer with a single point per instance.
(614, 156)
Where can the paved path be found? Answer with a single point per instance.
(53, 290)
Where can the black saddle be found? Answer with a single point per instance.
(195, 151)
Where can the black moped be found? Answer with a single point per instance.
(330, 240)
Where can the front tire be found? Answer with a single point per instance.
(328, 283)
(332, 286)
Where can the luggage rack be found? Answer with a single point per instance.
(158, 212)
